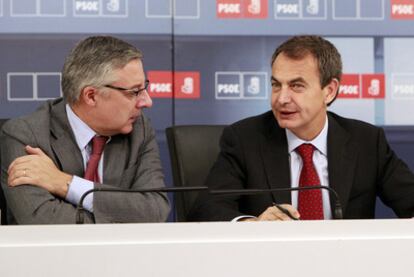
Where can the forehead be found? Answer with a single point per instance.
(132, 71)
(285, 68)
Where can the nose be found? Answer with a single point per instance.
(144, 100)
(284, 96)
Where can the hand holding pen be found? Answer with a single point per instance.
(275, 212)
(287, 212)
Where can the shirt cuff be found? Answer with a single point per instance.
(77, 187)
(241, 217)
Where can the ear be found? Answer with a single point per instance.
(330, 90)
(88, 95)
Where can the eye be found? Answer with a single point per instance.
(297, 86)
(275, 86)
(133, 92)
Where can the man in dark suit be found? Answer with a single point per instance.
(96, 136)
(300, 144)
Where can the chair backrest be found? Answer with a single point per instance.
(3, 205)
(193, 151)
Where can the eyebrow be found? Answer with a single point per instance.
(139, 86)
(299, 79)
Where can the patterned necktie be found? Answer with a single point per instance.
(98, 144)
(309, 201)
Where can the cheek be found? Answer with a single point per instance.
(273, 99)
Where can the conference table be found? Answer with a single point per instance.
(295, 248)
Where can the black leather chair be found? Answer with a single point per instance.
(3, 206)
(193, 150)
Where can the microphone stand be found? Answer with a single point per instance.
(337, 209)
(80, 210)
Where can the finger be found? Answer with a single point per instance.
(34, 151)
(279, 214)
(282, 216)
(18, 177)
(293, 212)
(272, 213)
(21, 163)
(20, 181)
(21, 160)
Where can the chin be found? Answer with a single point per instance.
(283, 122)
(287, 124)
(126, 130)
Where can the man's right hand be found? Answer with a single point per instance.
(273, 213)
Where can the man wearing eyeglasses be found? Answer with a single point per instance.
(95, 136)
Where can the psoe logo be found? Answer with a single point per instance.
(186, 84)
(287, 9)
(402, 9)
(350, 86)
(242, 8)
(113, 5)
(373, 86)
(402, 85)
(254, 85)
(228, 85)
(229, 8)
(86, 6)
(255, 8)
(160, 84)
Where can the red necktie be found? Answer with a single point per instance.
(98, 144)
(309, 201)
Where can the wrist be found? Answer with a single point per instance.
(247, 219)
(64, 184)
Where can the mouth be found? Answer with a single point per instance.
(287, 114)
(133, 118)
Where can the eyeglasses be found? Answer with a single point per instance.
(134, 91)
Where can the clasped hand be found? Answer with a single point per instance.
(37, 169)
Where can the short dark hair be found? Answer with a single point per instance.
(326, 54)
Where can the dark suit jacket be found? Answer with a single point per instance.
(254, 154)
(131, 162)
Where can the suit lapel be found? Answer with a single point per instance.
(275, 155)
(114, 167)
(68, 155)
(63, 142)
(342, 156)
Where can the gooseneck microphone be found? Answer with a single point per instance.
(337, 209)
(80, 210)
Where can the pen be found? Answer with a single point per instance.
(285, 211)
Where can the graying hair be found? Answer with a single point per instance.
(92, 62)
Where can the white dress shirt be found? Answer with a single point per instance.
(320, 161)
(83, 135)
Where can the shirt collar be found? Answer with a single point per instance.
(320, 142)
(83, 133)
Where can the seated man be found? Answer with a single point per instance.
(96, 136)
(300, 144)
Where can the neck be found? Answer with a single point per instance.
(84, 115)
(313, 130)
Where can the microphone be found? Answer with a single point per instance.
(80, 210)
(337, 209)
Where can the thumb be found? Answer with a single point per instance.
(34, 150)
